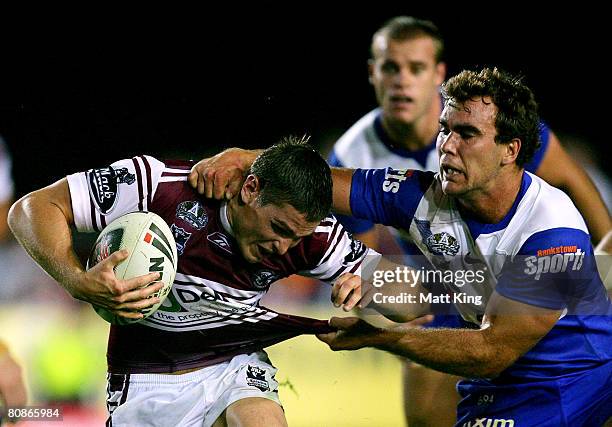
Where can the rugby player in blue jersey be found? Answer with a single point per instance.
(406, 69)
(537, 350)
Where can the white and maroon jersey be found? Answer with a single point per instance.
(212, 312)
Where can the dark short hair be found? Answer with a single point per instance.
(408, 27)
(292, 172)
(517, 109)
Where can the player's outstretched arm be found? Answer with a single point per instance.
(509, 330)
(221, 177)
(559, 169)
(41, 222)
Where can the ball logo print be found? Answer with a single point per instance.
(151, 248)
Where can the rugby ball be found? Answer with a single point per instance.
(151, 248)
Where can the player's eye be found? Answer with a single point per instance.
(281, 231)
(444, 130)
(417, 69)
(389, 67)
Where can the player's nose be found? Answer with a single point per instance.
(281, 246)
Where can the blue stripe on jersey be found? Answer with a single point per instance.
(419, 156)
(388, 196)
(477, 228)
(352, 224)
(533, 165)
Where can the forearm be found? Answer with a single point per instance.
(462, 352)
(342, 179)
(42, 228)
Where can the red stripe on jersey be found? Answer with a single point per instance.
(139, 179)
(94, 223)
(186, 173)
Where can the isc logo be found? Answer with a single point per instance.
(556, 263)
(393, 179)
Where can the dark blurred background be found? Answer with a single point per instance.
(110, 84)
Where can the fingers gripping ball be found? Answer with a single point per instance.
(151, 248)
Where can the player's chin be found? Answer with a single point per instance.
(452, 188)
(401, 115)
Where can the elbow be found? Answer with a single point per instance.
(15, 213)
(18, 213)
(491, 364)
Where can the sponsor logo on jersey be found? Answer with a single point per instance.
(193, 213)
(438, 244)
(357, 250)
(557, 259)
(180, 237)
(256, 377)
(221, 241)
(393, 179)
(104, 186)
(262, 279)
(108, 244)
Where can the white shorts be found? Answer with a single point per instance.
(196, 398)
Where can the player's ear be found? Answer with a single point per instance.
(250, 189)
(371, 71)
(511, 152)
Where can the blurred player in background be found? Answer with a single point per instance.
(210, 332)
(12, 386)
(406, 70)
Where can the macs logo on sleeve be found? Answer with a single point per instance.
(104, 186)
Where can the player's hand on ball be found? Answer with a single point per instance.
(221, 176)
(124, 298)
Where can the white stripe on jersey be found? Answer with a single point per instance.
(176, 170)
(339, 253)
(173, 178)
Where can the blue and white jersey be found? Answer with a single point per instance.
(540, 254)
(366, 145)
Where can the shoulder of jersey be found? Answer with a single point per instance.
(350, 146)
(542, 208)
